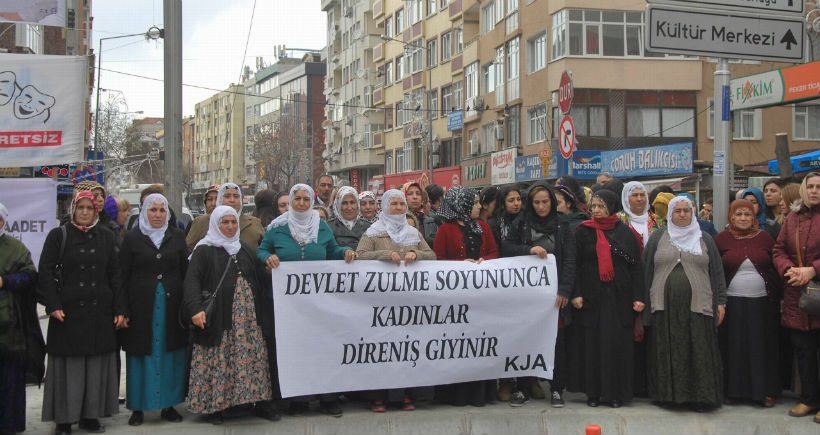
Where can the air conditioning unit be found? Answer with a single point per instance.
(474, 147)
(348, 12)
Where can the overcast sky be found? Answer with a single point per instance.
(214, 34)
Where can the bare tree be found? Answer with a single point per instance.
(281, 150)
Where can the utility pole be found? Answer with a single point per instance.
(172, 15)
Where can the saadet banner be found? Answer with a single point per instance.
(42, 109)
(372, 325)
(32, 206)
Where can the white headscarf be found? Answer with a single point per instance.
(155, 234)
(222, 190)
(686, 238)
(304, 225)
(337, 205)
(4, 213)
(394, 225)
(640, 222)
(214, 237)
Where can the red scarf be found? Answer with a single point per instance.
(606, 271)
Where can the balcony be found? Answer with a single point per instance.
(329, 4)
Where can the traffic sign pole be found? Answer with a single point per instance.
(722, 168)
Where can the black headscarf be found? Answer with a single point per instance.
(543, 225)
(610, 198)
(458, 206)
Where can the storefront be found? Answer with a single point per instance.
(476, 172)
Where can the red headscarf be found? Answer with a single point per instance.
(606, 270)
(84, 194)
(734, 230)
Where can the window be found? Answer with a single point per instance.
(458, 40)
(446, 99)
(513, 67)
(577, 32)
(388, 118)
(807, 121)
(432, 104)
(458, 95)
(432, 53)
(388, 73)
(414, 11)
(537, 52)
(537, 124)
(659, 121)
(513, 124)
(399, 68)
(431, 7)
(499, 11)
(408, 156)
(446, 46)
(388, 162)
(746, 124)
(487, 18)
(471, 82)
(499, 76)
(488, 137)
(415, 49)
(488, 77)
(512, 16)
(399, 17)
(388, 27)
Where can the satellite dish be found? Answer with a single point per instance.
(357, 138)
(435, 135)
(327, 91)
(361, 72)
(357, 34)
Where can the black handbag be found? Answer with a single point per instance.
(57, 273)
(211, 297)
(809, 301)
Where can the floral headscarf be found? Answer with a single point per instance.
(83, 194)
(394, 226)
(458, 206)
(155, 234)
(214, 237)
(304, 225)
(337, 205)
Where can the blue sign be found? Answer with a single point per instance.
(455, 120)
(800, 163)
(586, 164)
(528, 168)
(656, 160)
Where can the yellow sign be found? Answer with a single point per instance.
(9, 172)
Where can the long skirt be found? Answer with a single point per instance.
(748, 345)
(81, 387)
(684, 359)
(157, 380)
(12, 393)
(235, 371)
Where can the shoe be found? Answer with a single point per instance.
(407, 404)
(616, 404)
(213, 418)
(170, 414)
(378, 406)
(769, 402)
(801, 410)
(518, 399)
(136, 418)
(298, 408)
(121, 399)
(557, 401)
(536, 392)
(266, 409)
(91, 425)
(332, 408)
(593, 402)
(702, 407)
(505, 387)
(63, 429)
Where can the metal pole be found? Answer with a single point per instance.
(172, 15)
(97, 110)
(722, 164)
(429, 117)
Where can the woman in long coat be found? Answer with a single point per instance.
(154, 258)
(17, 279)
(393, 239)
(229, 359)
(801, 233)
(687, 302)
(464, 237)
(82, 380)
(601, 358)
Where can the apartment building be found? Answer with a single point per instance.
(218, 149)
(474, 86)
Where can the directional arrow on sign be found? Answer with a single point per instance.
(789, 39)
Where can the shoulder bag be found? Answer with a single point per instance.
(211, 297)
(809, 301)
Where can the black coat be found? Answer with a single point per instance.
(91, 293)
(206, 267)
(143, 268)
(628, 282)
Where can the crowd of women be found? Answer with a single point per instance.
(653, 301)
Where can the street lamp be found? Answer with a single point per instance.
(153, 33)
(428, 89)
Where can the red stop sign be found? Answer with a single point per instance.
(565, 92)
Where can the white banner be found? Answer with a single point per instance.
(32, 205)
(373, 325)
(42, 109)
(48, 12)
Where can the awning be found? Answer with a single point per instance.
(800, 163)
(675, 183)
